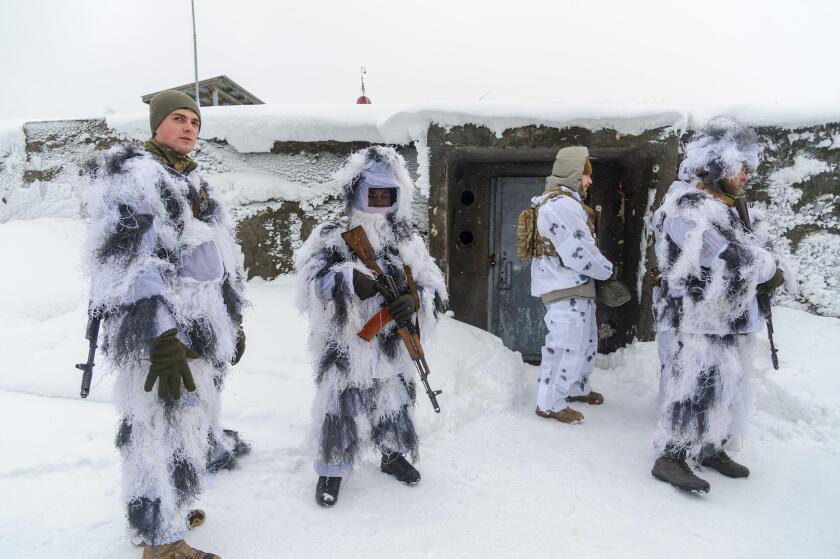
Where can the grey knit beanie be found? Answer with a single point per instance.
(167, 101)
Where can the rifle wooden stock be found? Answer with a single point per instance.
(358, 242)
(412, 286)
(412, 343)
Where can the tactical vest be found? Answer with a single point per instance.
(529, 243)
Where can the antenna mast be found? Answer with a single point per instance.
(195, 54)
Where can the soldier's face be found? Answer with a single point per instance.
(179, 130)
(380, 197)
(734, 183)
(585, 183)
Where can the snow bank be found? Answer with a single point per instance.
(42, 200)
(11, 134)
(51, 282)
(12, 162)
(43, 305)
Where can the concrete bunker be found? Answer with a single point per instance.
(480, 182)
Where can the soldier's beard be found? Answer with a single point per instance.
(732, 189)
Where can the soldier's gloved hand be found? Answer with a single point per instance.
(240, 346)
(401, 308)
(364, 287)
(169, 366)
(773, 283)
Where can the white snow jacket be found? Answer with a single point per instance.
(709, 263)
(325, 281)
(563, 221)
(154, 265)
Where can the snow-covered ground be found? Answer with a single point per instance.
(497, 480)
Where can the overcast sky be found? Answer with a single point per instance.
(63, 58)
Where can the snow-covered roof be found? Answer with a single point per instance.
(256, 128)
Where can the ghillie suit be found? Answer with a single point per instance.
(355, 378)
(161, 254)
(564, 277)
(705, 304)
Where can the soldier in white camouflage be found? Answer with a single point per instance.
(166, 273)
(564, 278)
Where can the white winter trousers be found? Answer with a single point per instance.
(568, 355)
(164, 447)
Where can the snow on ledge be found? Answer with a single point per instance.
(255, 128)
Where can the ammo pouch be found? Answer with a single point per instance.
(612, 293)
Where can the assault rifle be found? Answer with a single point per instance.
(92, 336)
(763, 298)
(359, 244)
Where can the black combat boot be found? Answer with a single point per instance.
(396, 465)
(326, 492)
(218, 459)
(672, 467)
(721, 462)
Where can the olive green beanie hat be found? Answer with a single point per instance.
(167, 101)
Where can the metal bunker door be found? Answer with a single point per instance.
(513, 314)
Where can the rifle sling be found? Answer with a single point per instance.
(412, 286)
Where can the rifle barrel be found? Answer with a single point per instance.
(423, 371)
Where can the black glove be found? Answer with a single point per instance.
(773, 283)
(364, 287)
(401, 308)
(169, 366)
(240, 346)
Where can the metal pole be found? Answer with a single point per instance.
(195, 54)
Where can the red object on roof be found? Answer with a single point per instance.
(363, 100)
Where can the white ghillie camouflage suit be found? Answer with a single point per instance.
(154, 266)
(568, 356)
(705, 304)
(355, 378)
